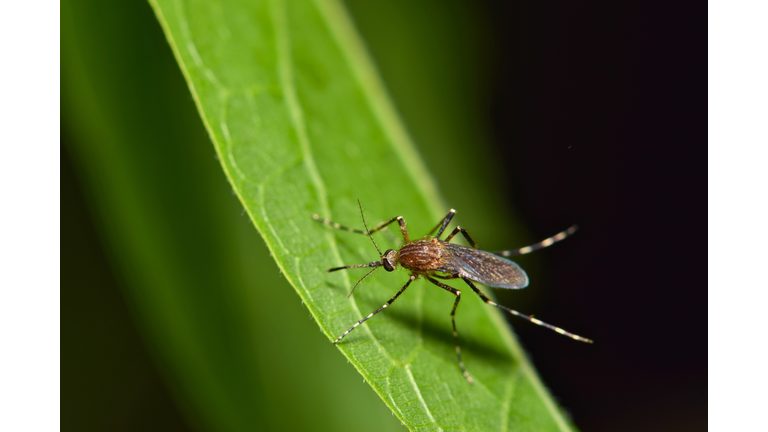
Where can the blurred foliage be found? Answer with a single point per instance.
(234, 346)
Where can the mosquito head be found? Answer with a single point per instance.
(389, 260)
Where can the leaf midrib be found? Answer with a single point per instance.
(286, 83)
(361, 65)
(296, 113)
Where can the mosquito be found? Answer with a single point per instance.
(433, 259)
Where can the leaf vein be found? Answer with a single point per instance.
(508, 398)
(420, 397)
(279, 17)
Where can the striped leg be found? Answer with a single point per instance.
(464, 233)
(540, 245)
(529, 318)
(443, 224)
(378, 227)
(457, 293)
(413, 278)
(446, 277)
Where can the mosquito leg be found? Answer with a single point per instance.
(540, 245)
(403, 229)
(353, 230)
(378, 227)
(457, 293)
(529, 318)
(447, 277)
(443, 224)
(413, 278)
(370, 264)
(464, 233)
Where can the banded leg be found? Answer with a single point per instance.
(529, 318)
(457, 293)
(413, 278)
(378, 227)
(446, 277)
(370, 264)
(443, 224)
(464, 233)
(540, 245)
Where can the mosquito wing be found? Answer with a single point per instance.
(483, 267)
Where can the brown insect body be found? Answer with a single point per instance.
(430, 255)
(422, 256)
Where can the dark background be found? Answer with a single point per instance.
(597, 113)
(610, 102)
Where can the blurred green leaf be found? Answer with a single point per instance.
(302, 125)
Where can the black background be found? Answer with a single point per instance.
(610, 102)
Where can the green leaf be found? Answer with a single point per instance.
(302, 125)
(234, 345)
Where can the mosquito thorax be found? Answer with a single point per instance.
(389, 260)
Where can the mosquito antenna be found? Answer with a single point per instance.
(361, 279)
(368, 233)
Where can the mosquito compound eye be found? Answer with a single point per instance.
(387, 261)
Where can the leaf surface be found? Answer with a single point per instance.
(302, 125)
(227, 333)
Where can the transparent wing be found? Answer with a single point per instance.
(483, 267)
